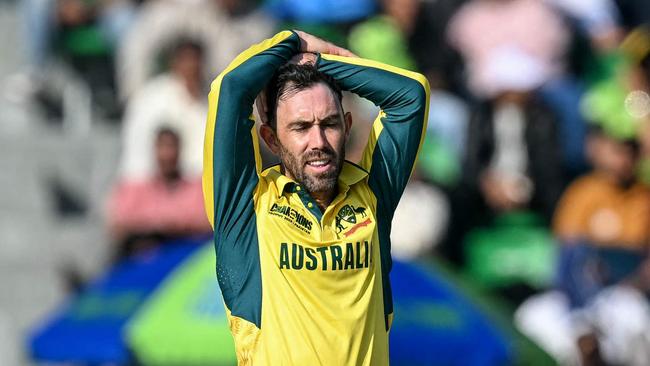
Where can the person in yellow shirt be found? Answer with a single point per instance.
(303, 250)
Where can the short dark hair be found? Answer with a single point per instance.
(292, 78)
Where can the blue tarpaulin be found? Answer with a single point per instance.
(435, 324)
(88, 329)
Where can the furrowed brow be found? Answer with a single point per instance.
(335, 117)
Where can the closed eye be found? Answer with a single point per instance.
(299, 126)
(331, 122)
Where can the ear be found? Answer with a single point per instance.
(269, 137)
(348, 124)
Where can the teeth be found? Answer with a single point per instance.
(318, 162)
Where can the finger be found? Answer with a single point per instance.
(304, 59)
(340, 51)
(332, 49)
(311, 43)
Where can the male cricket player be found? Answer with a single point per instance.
(303, 249)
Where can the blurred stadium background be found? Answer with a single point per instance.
(521, 239)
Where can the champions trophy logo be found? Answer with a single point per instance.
(348, 214)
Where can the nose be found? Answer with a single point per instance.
(317, 138)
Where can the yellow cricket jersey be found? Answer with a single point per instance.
(301, 286)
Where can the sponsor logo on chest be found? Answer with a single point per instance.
(292, 216)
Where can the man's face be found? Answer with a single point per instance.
(311, 131)
(167, 154)
(187, 63)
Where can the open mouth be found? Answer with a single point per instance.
(319, 165)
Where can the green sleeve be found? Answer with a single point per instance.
(231, 156)
(231, 165)
(398, 131)
(394, 141)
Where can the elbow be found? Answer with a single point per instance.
(415, 89)
(419, 92)
(421, 88)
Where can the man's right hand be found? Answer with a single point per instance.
(309, 46)
(313, 44)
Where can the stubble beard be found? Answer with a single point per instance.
(314, 183)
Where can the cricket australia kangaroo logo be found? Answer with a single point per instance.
(350, 215)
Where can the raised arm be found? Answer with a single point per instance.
(394, 141)
(231, 160)
(398, 131)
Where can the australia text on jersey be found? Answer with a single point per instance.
(335, 257)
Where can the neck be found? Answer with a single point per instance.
(613, 179)
(323, 199)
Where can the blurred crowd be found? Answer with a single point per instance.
(533, 178)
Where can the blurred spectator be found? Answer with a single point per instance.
(166, 205)
(602, 227)
(487, 31)
(43, 18)
(225, 27)
(175, 98)
(512, 163)
(84, 33)
(112, 17)
(607, 208)
(493, 35)
(403, 29)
